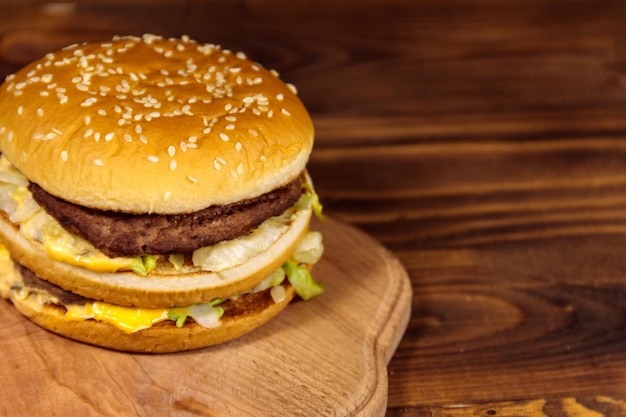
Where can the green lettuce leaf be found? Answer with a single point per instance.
(143, 265)
(302, 281)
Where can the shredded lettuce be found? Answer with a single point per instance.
(310, 248)
(143, 265)
(177, 259)
(301, 280)
(275, 278)
(310, 199)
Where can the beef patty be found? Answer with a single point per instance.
(123, 234)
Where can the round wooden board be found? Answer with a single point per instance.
(327, 356)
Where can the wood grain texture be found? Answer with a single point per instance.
(327, 357)
(482, 141)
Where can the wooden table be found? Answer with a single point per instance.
(483, 142)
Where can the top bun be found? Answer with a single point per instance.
(152, 125)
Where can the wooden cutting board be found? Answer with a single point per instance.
(324, 357)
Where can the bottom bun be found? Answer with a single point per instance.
(242, 314)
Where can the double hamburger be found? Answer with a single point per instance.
(154, 194)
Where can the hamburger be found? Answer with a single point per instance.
(154, 194)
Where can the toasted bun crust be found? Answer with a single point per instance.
(145, 125)
(240, 317)
(159, 289)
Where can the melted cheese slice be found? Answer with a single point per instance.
(65, 247)
(127, 319)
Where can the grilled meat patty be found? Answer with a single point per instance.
(123, 234)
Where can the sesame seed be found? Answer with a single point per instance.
(224, 137)
(64, 156)
(206, 130)
(63, 99)
(20, 110)
(87, 120)
(231, 118)
(238, 146)
(10, 136)
(98, 162)
(102, 112)
(88, 133)
(253, 132)
(192, 179)
(280, 96)
(40, 112)
(166, 195)
(228, 106)
(89, 102)
(240, 169)
(143, 139)
(109, 136)
(127, 137)
(217, 165)
(172, 165)
(171, 150)
(138, 129)
(57, 131)
(192, 139)
(292, 88)
(96, 136)
(183, 146)
(44, 93)
(229, 127)
(285, 112)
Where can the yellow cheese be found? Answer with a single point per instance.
(65, 247)
(127, 319)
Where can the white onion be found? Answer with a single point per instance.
(278, 294)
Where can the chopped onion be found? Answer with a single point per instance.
(278, 294)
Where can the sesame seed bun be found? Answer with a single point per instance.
(152, 125)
